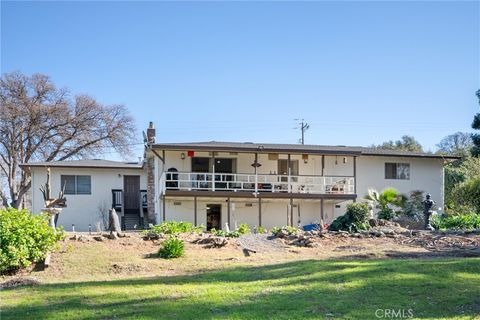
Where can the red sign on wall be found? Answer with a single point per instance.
(190, 153)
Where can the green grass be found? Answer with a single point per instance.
(432, 288)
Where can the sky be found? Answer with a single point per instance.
(359, 73)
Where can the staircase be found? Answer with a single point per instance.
(132, 222)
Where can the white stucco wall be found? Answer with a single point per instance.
(274, 211)
(425, 174)
(83, 209)
(334, 165)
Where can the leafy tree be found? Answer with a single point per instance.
(40, 122)
(467, 194)
(406, 143)
(457, 144)
(456, 173)
(476, 126)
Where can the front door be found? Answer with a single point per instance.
(131, 194)
(214, 216)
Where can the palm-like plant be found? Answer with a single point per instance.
(385, 200)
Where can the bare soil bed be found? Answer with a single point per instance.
(82, 258)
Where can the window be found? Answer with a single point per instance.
(397, 171)
(76, 184)
(283, 169)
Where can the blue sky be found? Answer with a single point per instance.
(358, 72)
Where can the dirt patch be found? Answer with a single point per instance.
(19, 281)
(127, 268)
(350, 248)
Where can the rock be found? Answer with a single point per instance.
(379, 234)
(387, 231)
(98, 238)
(83, 238)
(282, 233)
(212, 242)
(373, 222)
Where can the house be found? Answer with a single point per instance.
(92, 187)
(228, 183)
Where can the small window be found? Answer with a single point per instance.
(76, 184)
(68, 182)
(399, 171)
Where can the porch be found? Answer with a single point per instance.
(130, 209)
(258, 183)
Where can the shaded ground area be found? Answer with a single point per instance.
(341, 277)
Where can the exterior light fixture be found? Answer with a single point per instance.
(182, 156)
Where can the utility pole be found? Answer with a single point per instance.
(303, 126)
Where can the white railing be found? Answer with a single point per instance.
(237, 182)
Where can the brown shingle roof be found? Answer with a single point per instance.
(293, 148)
(94, 163)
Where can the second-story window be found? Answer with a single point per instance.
(399, 171)
(76, 184)
(283, 169)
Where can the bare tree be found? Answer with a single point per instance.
(39, 122)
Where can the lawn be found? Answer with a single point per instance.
(349, 289)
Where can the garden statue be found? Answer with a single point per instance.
(428, 204)
(53, 206)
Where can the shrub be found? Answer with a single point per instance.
(260, 229)
(414, 206)
(221, 233)
(386, 214)
(385, 200)
(459, 222)
(355, 219)
(467, 194)
(172, 228)
(171, 248)
(24, 239)
(287, 229)
(243, 228)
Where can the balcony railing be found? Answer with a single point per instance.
(238, 182)
(117, 199)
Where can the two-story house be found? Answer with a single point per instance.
(219, 183)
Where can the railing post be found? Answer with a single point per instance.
(289, 171)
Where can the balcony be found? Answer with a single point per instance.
(255, 183)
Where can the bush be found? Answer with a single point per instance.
(221, 233)
(386, 201)
(467, 194)
(386, 214)
(172, 228)
(458, 222)
(355, 219)
(172, 248)
(260, 229)
(243, 228)
(414, 206)
(287, 229)
(24, 239)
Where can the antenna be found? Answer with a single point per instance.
(303, 126)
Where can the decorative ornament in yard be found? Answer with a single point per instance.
(428, 204)
(53, 206)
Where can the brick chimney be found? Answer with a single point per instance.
(151, 133)
(150, 164)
